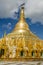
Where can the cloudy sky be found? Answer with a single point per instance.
(33, 8)
(33, 11)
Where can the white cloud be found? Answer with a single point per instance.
(33, 9)
(7, 26)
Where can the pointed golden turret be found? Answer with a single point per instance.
(21, 25)
(22, 14)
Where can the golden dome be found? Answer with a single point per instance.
(21, 25)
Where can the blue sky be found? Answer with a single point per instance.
(9, 15)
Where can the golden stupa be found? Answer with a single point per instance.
(21, 43)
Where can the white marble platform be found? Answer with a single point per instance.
(21, 63)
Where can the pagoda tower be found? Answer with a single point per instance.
(22, 43)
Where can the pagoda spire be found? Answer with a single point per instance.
(21, 25)
(22, 14)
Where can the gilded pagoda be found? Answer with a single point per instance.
(21, 42)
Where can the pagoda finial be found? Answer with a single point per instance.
(22, 13)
